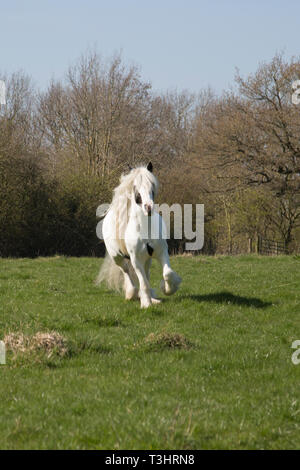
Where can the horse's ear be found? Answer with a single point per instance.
(150, 167)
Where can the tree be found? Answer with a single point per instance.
(251, 137)
(101, 116)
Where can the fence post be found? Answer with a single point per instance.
(249, 245)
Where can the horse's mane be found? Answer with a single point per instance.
(121, 201)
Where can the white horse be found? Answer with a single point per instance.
(130, 244)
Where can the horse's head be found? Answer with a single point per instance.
(145, 188)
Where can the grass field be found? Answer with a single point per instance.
(208, 368)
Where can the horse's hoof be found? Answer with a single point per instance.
(145, 302)
(155, 301)
(162, 286)
(172, 278)
(170, 283)
(131, 294)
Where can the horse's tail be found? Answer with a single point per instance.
(110, 274)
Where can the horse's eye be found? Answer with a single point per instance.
(138, 198)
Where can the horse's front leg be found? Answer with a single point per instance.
(131, 292)
(171, 280)
(145, 291)
(154, 299)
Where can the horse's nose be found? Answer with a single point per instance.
(148, 208)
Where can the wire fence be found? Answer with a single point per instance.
(271, 247)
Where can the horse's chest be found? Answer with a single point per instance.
(139, 235)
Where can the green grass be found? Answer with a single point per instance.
(231, 385)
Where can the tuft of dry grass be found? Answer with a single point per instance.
(168, 341)
(49, 343)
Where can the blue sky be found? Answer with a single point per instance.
(179, 44)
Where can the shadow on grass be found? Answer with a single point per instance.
(229, 298)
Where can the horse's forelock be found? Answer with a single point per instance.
(127, 182)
